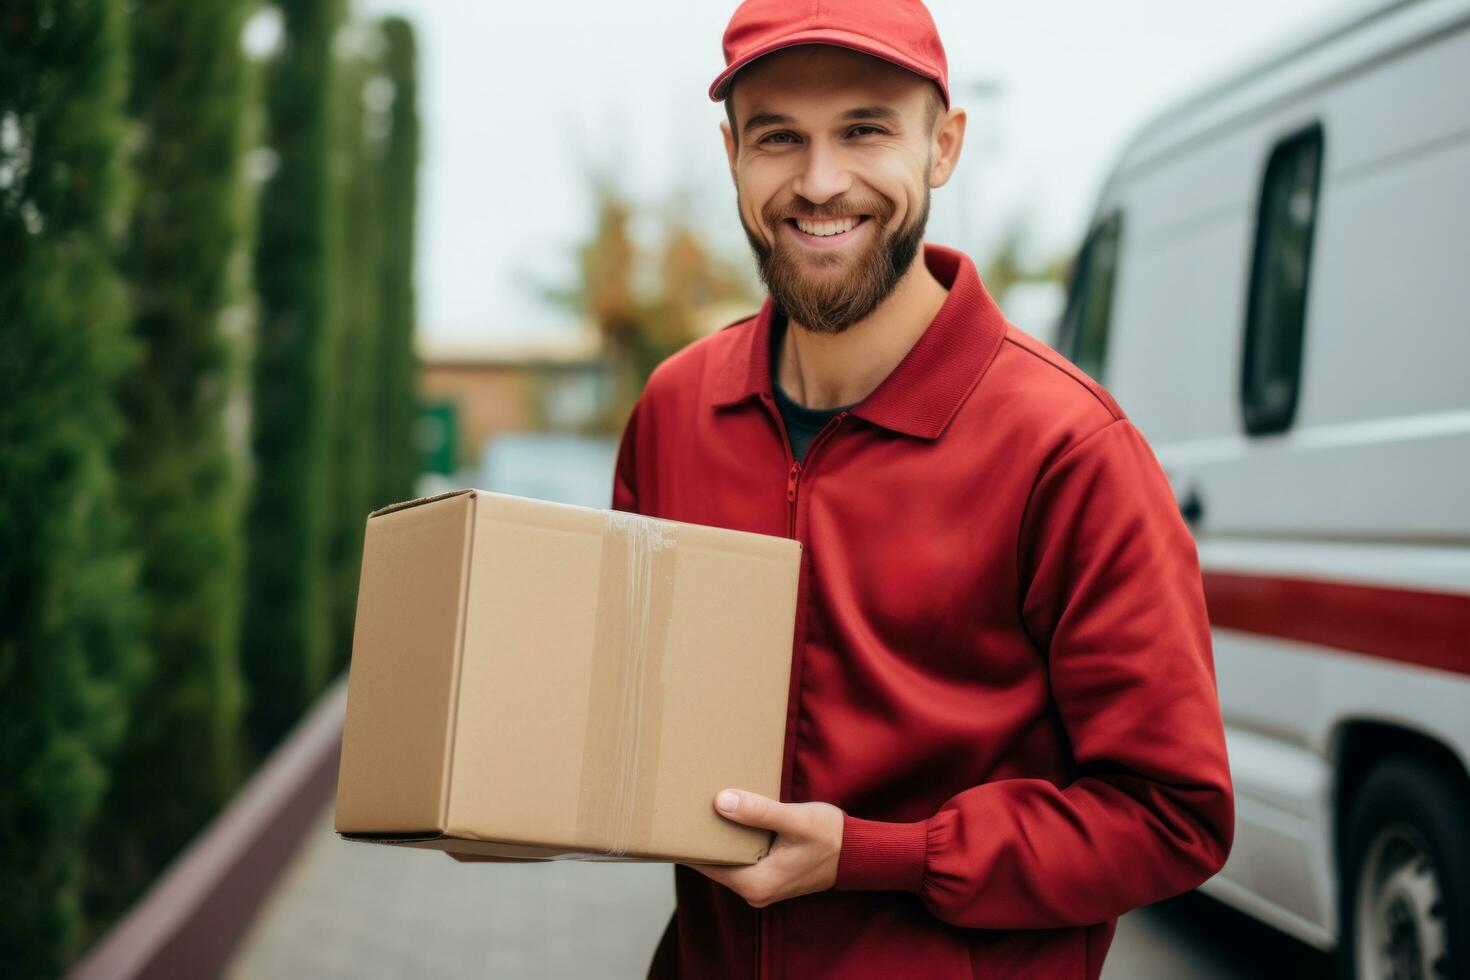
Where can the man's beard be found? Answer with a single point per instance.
(852, 287)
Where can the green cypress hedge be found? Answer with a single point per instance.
(189, 92)
(287, 630)
(375, 154)
(396, 372)
(357, 241)
(69, 612)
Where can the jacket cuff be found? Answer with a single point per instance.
(881, 856)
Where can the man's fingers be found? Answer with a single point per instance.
(753, 809)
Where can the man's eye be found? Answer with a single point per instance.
(772, 136)
(855, 129)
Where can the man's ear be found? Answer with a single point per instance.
(731, 149)
(948, 140)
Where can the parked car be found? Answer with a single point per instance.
(1276, 288)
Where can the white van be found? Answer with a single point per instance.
(1276, 288)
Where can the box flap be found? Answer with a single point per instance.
(418, 502)
(401, 685)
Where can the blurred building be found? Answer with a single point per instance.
(492, 389)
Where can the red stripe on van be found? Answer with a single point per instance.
(1431, 629)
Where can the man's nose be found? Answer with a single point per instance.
(824, 175)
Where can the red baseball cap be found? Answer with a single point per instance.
(900, 31)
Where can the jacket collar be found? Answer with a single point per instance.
(924, 391)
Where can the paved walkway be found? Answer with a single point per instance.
(349, 910)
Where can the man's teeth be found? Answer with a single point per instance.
(824, 228)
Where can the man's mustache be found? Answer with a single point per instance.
(879, 209)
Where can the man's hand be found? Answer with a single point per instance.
(802, 859)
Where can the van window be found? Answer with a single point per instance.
(1083, 336)
(1276, 313)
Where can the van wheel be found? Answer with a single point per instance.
(1404, 912)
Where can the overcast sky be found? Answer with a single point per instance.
(519, 99)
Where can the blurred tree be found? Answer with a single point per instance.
(1013, 262)
(606, 294)
(287, 628)
(690, 282)
(1008, 264)
(181, 756)
(1004, 266)
(69, 615)
(396, 373)
(645, 318)
(356, 241)
(374, 405)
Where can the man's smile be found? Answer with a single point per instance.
(826, 233)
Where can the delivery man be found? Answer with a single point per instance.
(1003, 730)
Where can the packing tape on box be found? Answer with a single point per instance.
(620, 756)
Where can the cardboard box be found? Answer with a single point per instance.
(540, 680)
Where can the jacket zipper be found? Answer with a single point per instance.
(793, 479)
(793, 476)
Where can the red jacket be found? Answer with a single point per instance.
(1001, 670)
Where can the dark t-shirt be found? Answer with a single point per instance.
(802, 423)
